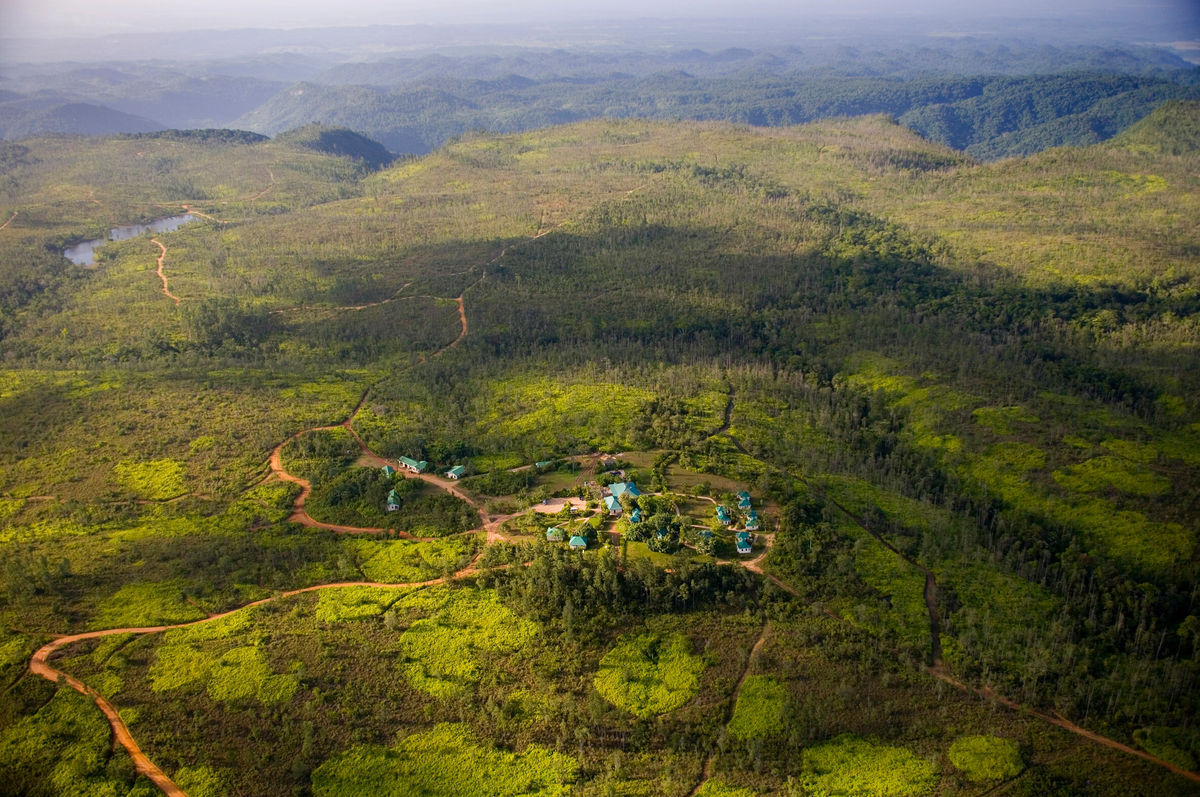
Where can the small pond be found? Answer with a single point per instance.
(84, 253)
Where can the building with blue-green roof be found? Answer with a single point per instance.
(723, 516)
(393, 501)
(578, 543)
(612, 505)
(456, 472)
(416, 466)
(635, 516)
(743, 500)
(621, 488)
(751, 520)
(388, 471)
(744, 542)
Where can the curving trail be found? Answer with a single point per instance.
(10, 218)
(462, 319)
(270, 185)
(706, 773)
(162, 254)
(40, 665)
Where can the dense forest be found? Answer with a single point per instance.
(990, 96)
(962, 395)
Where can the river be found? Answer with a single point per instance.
(84, 253)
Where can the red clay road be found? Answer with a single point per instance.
(161, 275)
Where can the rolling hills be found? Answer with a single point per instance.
(961, 396)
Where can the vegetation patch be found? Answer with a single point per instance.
(1180, 746)
(1003, 420)
(760, 708)
(157, 480)
(447, 760)
(201, 781)
(856, 767)
(243, 674)
(146, 603)
(443, 652)
(650, 674)
(986, 757)
(719, 788)
(354, 603)
(1110, 472)
(404, 561)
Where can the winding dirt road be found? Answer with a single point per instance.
(162, 254)
(10, 218)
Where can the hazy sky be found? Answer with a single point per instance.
(39, 18)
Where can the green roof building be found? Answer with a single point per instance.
(578, 543)
(393, 501)
(413, 465)
(388, 471)
(456, 472)
(554, 534)
(621, 488)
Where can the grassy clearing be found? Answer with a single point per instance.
(760, 708)
(354, 603)
(1104, 473)
(445, 651)
(157, 480)
(147, 603)
(447, 760)
(718, 788)
(404, 561)
(650, 674)
(855, 767)
(984, 758)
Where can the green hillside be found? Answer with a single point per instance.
(962, 398)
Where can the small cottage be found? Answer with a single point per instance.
(612, 505)
(723, 516)
(456, 472)
(554, 534)
(751, 521)
(745, 542)
(578, 543)
(635, 516)
(393, 501)
(743, 500)
(388, 471)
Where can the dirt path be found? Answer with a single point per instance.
(40, 664)
(706, 773)
(10, 218)
(162, 254)
(270, 185)
(1054, 718)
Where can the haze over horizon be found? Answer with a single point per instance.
(71, 18)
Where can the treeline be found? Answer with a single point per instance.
(592, 592)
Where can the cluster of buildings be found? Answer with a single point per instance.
(414, 466)
(744, 539)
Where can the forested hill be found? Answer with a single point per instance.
(988, 116)
(963, 397)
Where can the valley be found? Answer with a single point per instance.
(950, 404)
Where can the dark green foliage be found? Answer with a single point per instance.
(339, 141)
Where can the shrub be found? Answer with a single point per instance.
(650, 674)
(760, 708)
(849, 765)
(446, 760)
(986, 757)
